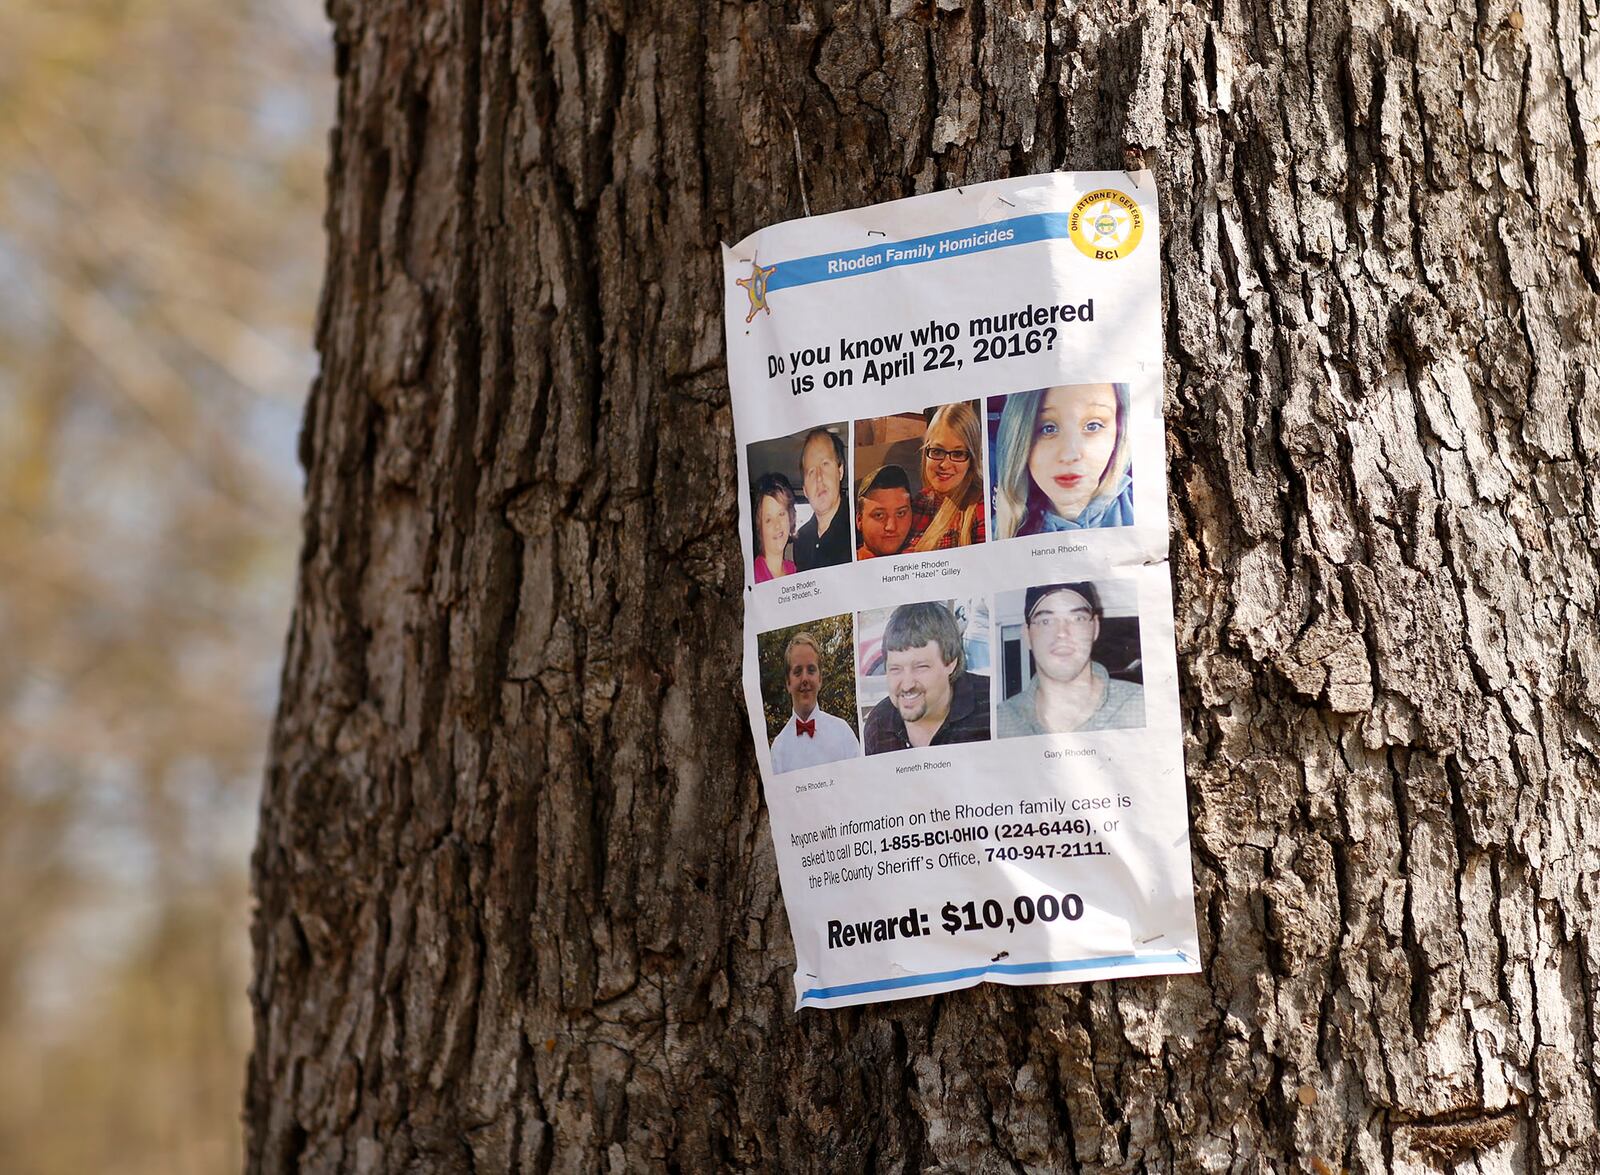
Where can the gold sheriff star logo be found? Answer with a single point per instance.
(1106, 225)
(756, 287)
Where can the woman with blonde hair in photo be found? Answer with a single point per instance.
(1062, 461)
(948, 512)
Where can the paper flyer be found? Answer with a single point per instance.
(959, 652)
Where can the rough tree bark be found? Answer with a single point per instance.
(517, 899)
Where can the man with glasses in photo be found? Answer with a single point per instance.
(1069, 690)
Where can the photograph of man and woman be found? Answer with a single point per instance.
(797, 492)
(921, 486)
(924, 674)
(1069, 656)
(1061, 459)
(808, 693)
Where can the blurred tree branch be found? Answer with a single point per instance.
(160, 248)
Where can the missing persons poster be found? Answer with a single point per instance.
(959, 651)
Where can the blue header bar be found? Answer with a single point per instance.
(1055, 966)
(1020, 230)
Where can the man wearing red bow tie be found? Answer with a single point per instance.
(811, 737)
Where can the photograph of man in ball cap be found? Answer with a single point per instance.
(1069, 689)
(932, 700)
(883, 512)
(812, 736)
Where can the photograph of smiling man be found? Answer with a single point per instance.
(1070, 653)
(808, 693)
(916, 669)
(1061, 459)
(824, 540)
(883, 512)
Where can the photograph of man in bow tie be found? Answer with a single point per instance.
(811, 736)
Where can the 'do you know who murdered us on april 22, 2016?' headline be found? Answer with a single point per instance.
(959, 651)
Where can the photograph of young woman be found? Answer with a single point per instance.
(948, 510)
(1061, 459)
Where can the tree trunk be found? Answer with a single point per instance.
(518, 907)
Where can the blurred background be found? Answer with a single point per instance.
(161, 188)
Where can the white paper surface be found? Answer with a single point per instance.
(1032, 858)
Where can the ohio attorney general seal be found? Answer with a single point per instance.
(1106, 224)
